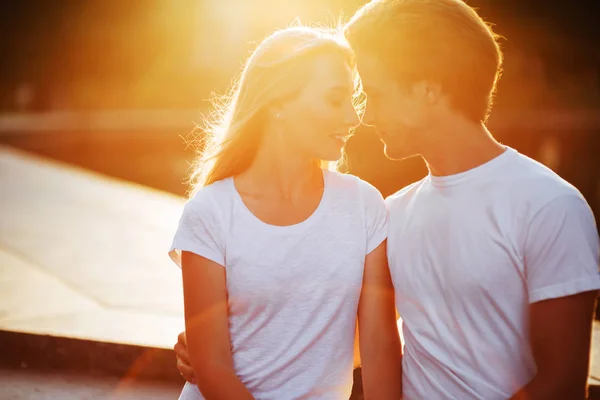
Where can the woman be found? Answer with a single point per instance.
(280, 253)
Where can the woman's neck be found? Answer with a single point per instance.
(277, 173)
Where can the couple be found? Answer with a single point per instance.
(493, 259)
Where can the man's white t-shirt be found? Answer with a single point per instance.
(293, 291)
(468, 253)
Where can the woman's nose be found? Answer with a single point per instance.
(351, 118)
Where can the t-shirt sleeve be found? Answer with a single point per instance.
(199, 231)
(376, 216)
(562, 250)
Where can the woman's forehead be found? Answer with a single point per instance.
(331, 71)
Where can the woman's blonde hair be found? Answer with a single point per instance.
(276, 70)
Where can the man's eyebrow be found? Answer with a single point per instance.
(370, 90)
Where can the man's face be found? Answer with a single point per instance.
(402, 116)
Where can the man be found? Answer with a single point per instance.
(494, 258)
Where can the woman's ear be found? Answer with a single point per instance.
(276, 111)
(275, 114)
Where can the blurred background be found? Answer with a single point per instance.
(143, 70)
(115, 87)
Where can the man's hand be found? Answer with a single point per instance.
(183, 359)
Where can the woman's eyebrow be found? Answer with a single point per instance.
(341, 88)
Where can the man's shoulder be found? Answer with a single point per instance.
(538, 183)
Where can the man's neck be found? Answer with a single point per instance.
(462, 148)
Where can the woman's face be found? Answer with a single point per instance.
(317, 121)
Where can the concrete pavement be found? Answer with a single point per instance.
(85, 256)
(26, 384)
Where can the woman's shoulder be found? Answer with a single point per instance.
(351, 186)
(345, 181)
(212, 196)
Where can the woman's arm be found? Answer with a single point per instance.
(207, 331)
(380, 347)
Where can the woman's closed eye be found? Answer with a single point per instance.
(338, 95)
(338, 100)
(335, 100)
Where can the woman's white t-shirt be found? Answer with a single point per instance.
(293, 290)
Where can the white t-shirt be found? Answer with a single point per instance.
(468, 253)
(294, 290)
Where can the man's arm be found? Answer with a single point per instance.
(380, 347)
(561, 256)
(183, 359)
(560, 334)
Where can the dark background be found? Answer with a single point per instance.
(147, 53)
